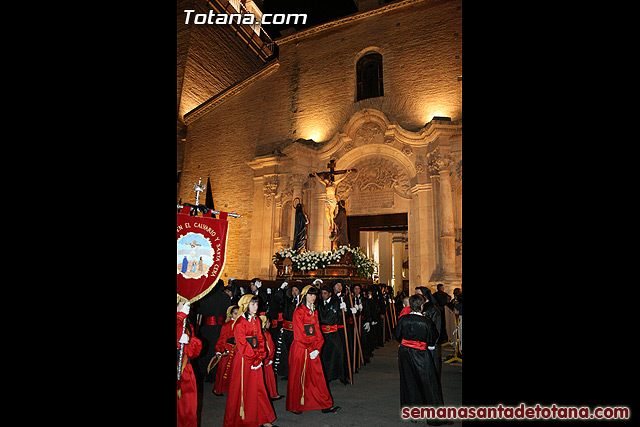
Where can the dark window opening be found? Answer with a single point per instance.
(369, 75)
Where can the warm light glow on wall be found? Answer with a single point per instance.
(312, 131)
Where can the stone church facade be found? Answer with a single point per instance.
(379, 91)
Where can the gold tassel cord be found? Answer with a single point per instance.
(304, 374)
(242, 390)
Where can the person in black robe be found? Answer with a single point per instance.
(300, 230)
(432, 312)
(364, 321)
(274, 311)
(256, 288)
(332, 355)
(213, 309)
(419, 384)
(342, 296)
(289, 300)
(441, 298)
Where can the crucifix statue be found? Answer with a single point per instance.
(198, 188)
(331, 185)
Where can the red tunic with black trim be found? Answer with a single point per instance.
(248, 403)
(187, 391)
(306, 388)
(223, 369)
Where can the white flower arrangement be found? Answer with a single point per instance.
(309, 260)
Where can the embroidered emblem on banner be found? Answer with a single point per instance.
(201, 248)
(195, 255)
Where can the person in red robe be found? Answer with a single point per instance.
(187, 391)
(248, 403)
(307, 389)
(226, 341)
(269, 376)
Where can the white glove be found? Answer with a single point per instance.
(258, 283)
(343, 305)
(284, 285)
(314, 354)
(270, 362)
(269, 291)
(360, 306)
(184, 339)
(354, 310)
(315, 282)
(255, 368)
(185, 308)
(431, 347)
(366, 327)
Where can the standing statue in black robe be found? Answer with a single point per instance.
(332, 355)
(419, 384)
(340, 221)
(300, 230)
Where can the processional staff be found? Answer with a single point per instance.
(346, 340)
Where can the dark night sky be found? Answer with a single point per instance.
(318, 12)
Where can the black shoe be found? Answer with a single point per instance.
(297, 413)
(285, 378)
(273, 399)
(217, 394)
(332, 409)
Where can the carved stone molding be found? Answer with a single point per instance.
(376, 178)
(438, 162)
(270, 188)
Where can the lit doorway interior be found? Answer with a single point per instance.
(383, 238)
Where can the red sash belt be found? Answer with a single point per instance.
(287, 325)
(341, 326)
(329, 328)
(214, 320)
(420, 345)
(274, 322)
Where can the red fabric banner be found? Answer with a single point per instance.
(202, 246)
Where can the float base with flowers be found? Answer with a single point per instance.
(344, 262)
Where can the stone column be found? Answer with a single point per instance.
(270, 189)
(440, 164)
(421, 237)
(397, 242)
(318, 226)
(384, 249)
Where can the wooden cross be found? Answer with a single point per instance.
(332, 170)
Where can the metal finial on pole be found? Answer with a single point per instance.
(198, 188)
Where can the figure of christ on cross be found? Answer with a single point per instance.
(331, 185)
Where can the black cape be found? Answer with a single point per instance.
(419, 385)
